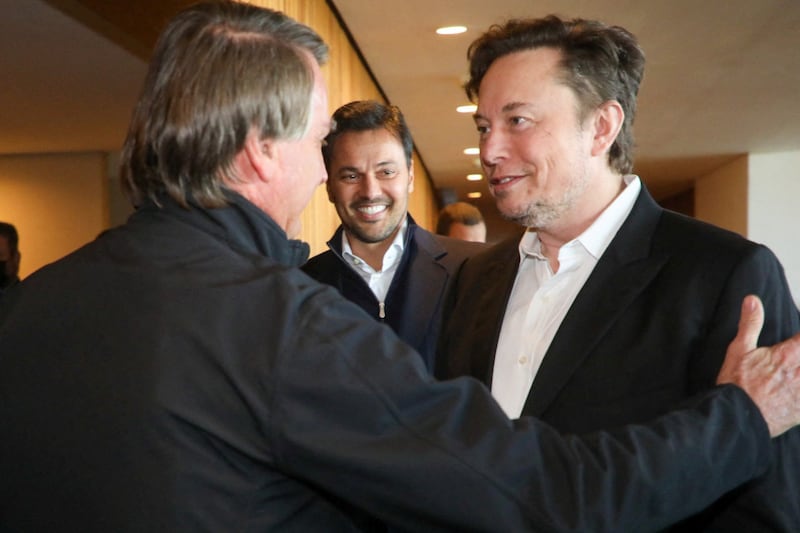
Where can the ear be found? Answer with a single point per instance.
(411, 176)
(607, 123)
(260, 156)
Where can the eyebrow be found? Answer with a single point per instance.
(347, 169)
(511, 106)
(380, 164)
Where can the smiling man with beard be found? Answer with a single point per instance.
(379, 258)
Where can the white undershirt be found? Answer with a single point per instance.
(378, 280)
(540, 299)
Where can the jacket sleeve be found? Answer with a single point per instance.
(771, 501)
(355, 413)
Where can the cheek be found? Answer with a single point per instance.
(530, 149)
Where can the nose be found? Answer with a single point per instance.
(370, 186)
(493, 148)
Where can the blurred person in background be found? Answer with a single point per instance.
(461, 220)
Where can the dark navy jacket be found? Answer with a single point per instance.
(418, 295)
(179, 374)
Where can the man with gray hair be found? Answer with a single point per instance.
(180, 373)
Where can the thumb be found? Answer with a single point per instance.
(750, 322)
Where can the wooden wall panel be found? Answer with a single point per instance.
(58, 202)
(348, 80)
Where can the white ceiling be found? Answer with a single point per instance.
(63, 88)
(722, 78)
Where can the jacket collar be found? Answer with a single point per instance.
(241, 224)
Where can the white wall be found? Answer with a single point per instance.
(774, 209)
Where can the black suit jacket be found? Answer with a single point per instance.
(649, 328)
(419, 294)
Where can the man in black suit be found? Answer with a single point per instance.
(379, 258)
(180, 373)
(608, 310)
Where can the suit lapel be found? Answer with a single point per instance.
(495, 289)
(624, 270)
(426, 279)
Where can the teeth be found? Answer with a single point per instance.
(372, 209)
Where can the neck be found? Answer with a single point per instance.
(580, 217)
(371, 252)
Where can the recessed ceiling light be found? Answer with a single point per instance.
(471, 108)
(474, 195)
(451, 30)
(474, 177)
(472, 151)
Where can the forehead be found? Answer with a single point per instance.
(5, 249)
(319, 98)
(521, 75)
(353, 147)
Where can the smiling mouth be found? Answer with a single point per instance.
(495, 182)
(372, 209)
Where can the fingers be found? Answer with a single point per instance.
(779, 401)
(750, 323)
(742, 348)
(770, 375)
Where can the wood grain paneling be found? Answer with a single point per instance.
(136, 27)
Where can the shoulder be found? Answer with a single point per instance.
(323, 265)
(459, 248)
(506, 252)
(703, 240)
(440, 246)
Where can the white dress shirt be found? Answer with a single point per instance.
(379, 281)
(540, 299)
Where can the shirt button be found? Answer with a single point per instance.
(523, 360)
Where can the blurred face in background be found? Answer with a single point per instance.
(474, 233)
(9, 262)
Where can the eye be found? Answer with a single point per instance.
(348, 177)
(516, 121)
(387, 172)
(482, 128)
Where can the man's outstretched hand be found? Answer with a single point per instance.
(771, 375)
